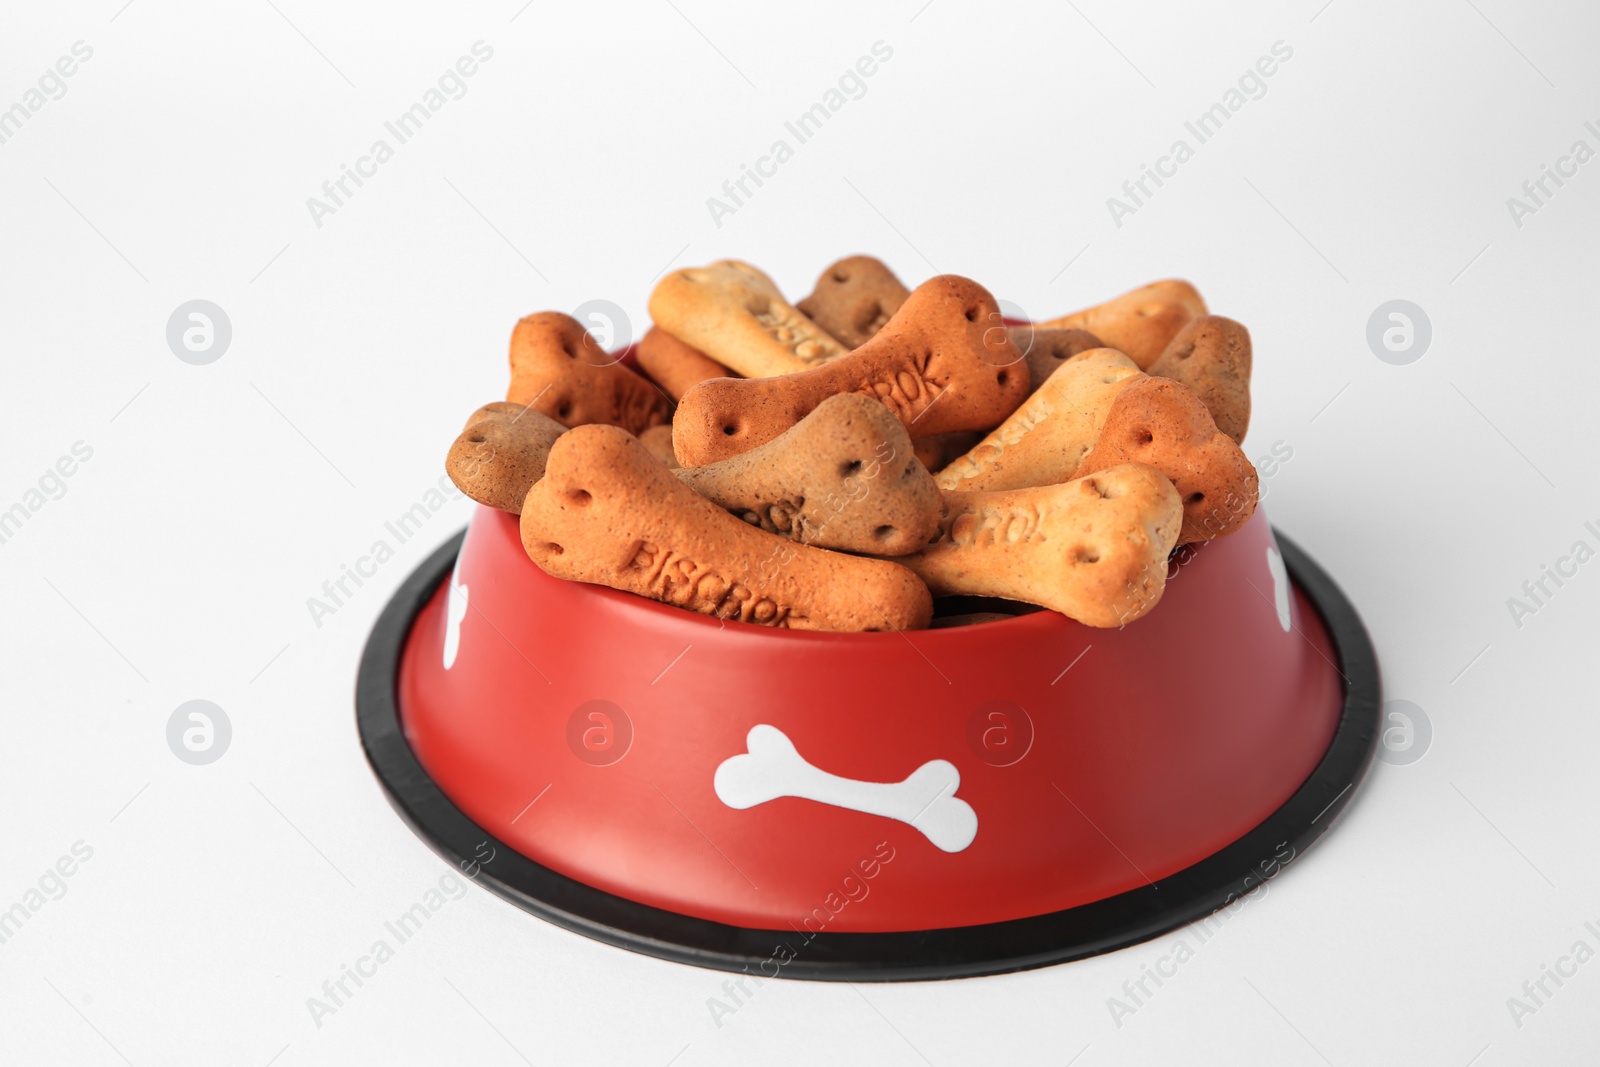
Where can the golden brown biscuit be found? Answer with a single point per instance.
(1211, 356)
(674, 365)
(501, 453)
(658, 440)
(735, 315)
(1140, 323)
(1045, 350)
(1046, 438)
(1094, 549)
(854, 298)
(559, 369)
(842, 477)
(1158, 422)
(606, 512)
(943, 363)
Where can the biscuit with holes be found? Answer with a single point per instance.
(943, 363)
(854, 298)
(1045, 350)
(843, 477)
(674, 365)
(1211, 356)
(501, 453)
(735, 315)
(1045, 439)
(607, 512)
(557, 368)
(1094, 548)
(1158, 422)
(1140, 323)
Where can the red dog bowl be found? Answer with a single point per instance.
(956, 801)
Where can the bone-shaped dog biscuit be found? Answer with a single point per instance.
(1094, 549)
(1046, 350)
(1045, 439)
(501, 453)
(1140, 323)
(854, 298)
(607, 512)
(1211, 356)
(843, 477)
(735, 315)
(674, 365)
(1159, 422)
(559, 369)
(774, 768)
(943, 363)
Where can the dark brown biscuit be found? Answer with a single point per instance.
(1046, 349)
(854, 298)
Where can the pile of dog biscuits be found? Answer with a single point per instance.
(838, 463)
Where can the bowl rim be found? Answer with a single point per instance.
(1105, 925)
(633, 605)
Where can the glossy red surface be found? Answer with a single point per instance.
(1120, 757)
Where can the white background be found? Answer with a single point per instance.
(219, 498)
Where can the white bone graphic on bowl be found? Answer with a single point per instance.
(773, 768)
(1280, 586)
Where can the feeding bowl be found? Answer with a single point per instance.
(957, 801)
